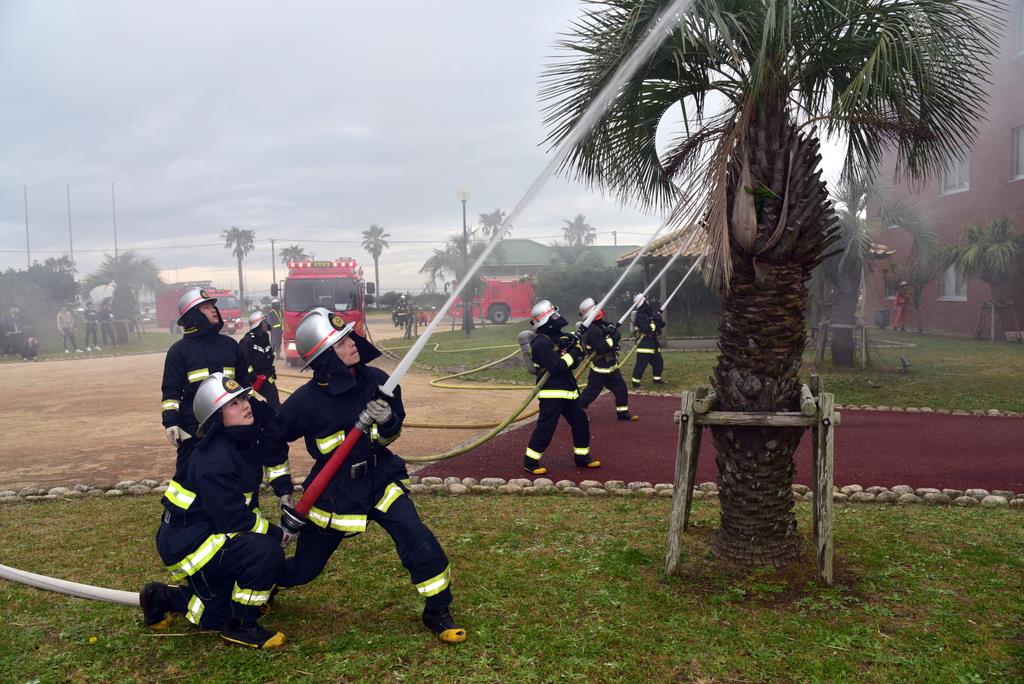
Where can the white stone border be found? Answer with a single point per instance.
(460, 486)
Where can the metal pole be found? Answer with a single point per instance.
(28, 248)
(113, 213)
(273, 262)
(615, 238)
(71, 239)
(467, 299)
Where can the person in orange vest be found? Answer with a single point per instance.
(899, 307)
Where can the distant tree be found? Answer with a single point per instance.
(375, 242)
(994, 253)
(491, 223)
(240, 241)
(578, 232)
(129, 274)
(294, 253)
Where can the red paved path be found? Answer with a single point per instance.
(872, 448)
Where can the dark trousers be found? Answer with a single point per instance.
(107, 330)
(234, 584)
(547, 421)
(68, 335)
(270, 393)
(642, 359)
(90, 334)
(615, 384)
(275, 342)
(417, 548)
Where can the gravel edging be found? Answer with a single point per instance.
(456, 486)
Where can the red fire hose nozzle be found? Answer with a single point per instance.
(260, 379)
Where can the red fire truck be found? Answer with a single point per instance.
(502, 299)
(167, 306)
(337, 285)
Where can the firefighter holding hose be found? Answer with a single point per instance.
(602, 338)
(557, 353)
(213, 535)
(259, 354)
(649, 325)
(371, 484)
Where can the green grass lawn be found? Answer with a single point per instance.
(52, 350)
(945, 372)
(550, 589)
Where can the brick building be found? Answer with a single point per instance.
(987, 184)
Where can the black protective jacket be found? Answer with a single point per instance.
(602, 338)
(323, 411)
(258, 353)
(648, 325)
(558, 354)
(217, 497)
(201, 350)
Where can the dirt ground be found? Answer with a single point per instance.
(97, 421)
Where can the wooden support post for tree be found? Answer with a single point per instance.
(823, 331)
(817, 413)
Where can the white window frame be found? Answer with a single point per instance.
(1018, 147)
(959, 285)
(960, 172)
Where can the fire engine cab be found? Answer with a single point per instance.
(167, 305)
(337, 285)
(502, 299)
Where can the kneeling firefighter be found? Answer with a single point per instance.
(372, 483)
(557, 353)
(213, 535)
(259, 353)
(648, 326)
(602, 338)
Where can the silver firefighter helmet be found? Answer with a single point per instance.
(586, 305)
(214, 394)
(191, 300)
(639, 299)
(255, 318)
(541, 313)
(319, 330)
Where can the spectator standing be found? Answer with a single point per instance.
(66, 328)
(107, 325)
(899, 307)
(14, 330)
(91, 328)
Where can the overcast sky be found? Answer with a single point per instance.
(302, 121)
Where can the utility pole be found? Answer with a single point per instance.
(467, 298)
(71, 240)
(113, 209)
(615, 238)
(28, 248)
(273, 262)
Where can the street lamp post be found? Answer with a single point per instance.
(467, 302)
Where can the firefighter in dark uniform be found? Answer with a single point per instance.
(202, 350)
(558, 354)
(602, 338)
(372, 485)
(647, 327)
(213, 535)
(259, 355)
(276, 324)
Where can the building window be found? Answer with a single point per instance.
(953, 287)
(1018, 149)
(957, 178)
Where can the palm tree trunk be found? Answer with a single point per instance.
(376, 275)
(844, 312)
(762, 338)
(241, 288)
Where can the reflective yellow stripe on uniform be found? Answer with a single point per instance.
(605, 371)
(229, 371)
(535, 455)
(170, 405)
(249, 597)
(610, 342)
(558, 394)
(329, 443)
(391, 494)
(274, 472)
(198, 375)
(567, 359)
(261, 525)
(435, 585)
(581, 451)
(645, 350)
(195, 610)
(194, 562)
(178, 495)
(343, 523)
(374, 434)
(621, 409)
(653, 327)
(248, 497)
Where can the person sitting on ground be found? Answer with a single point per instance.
(213, 535)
